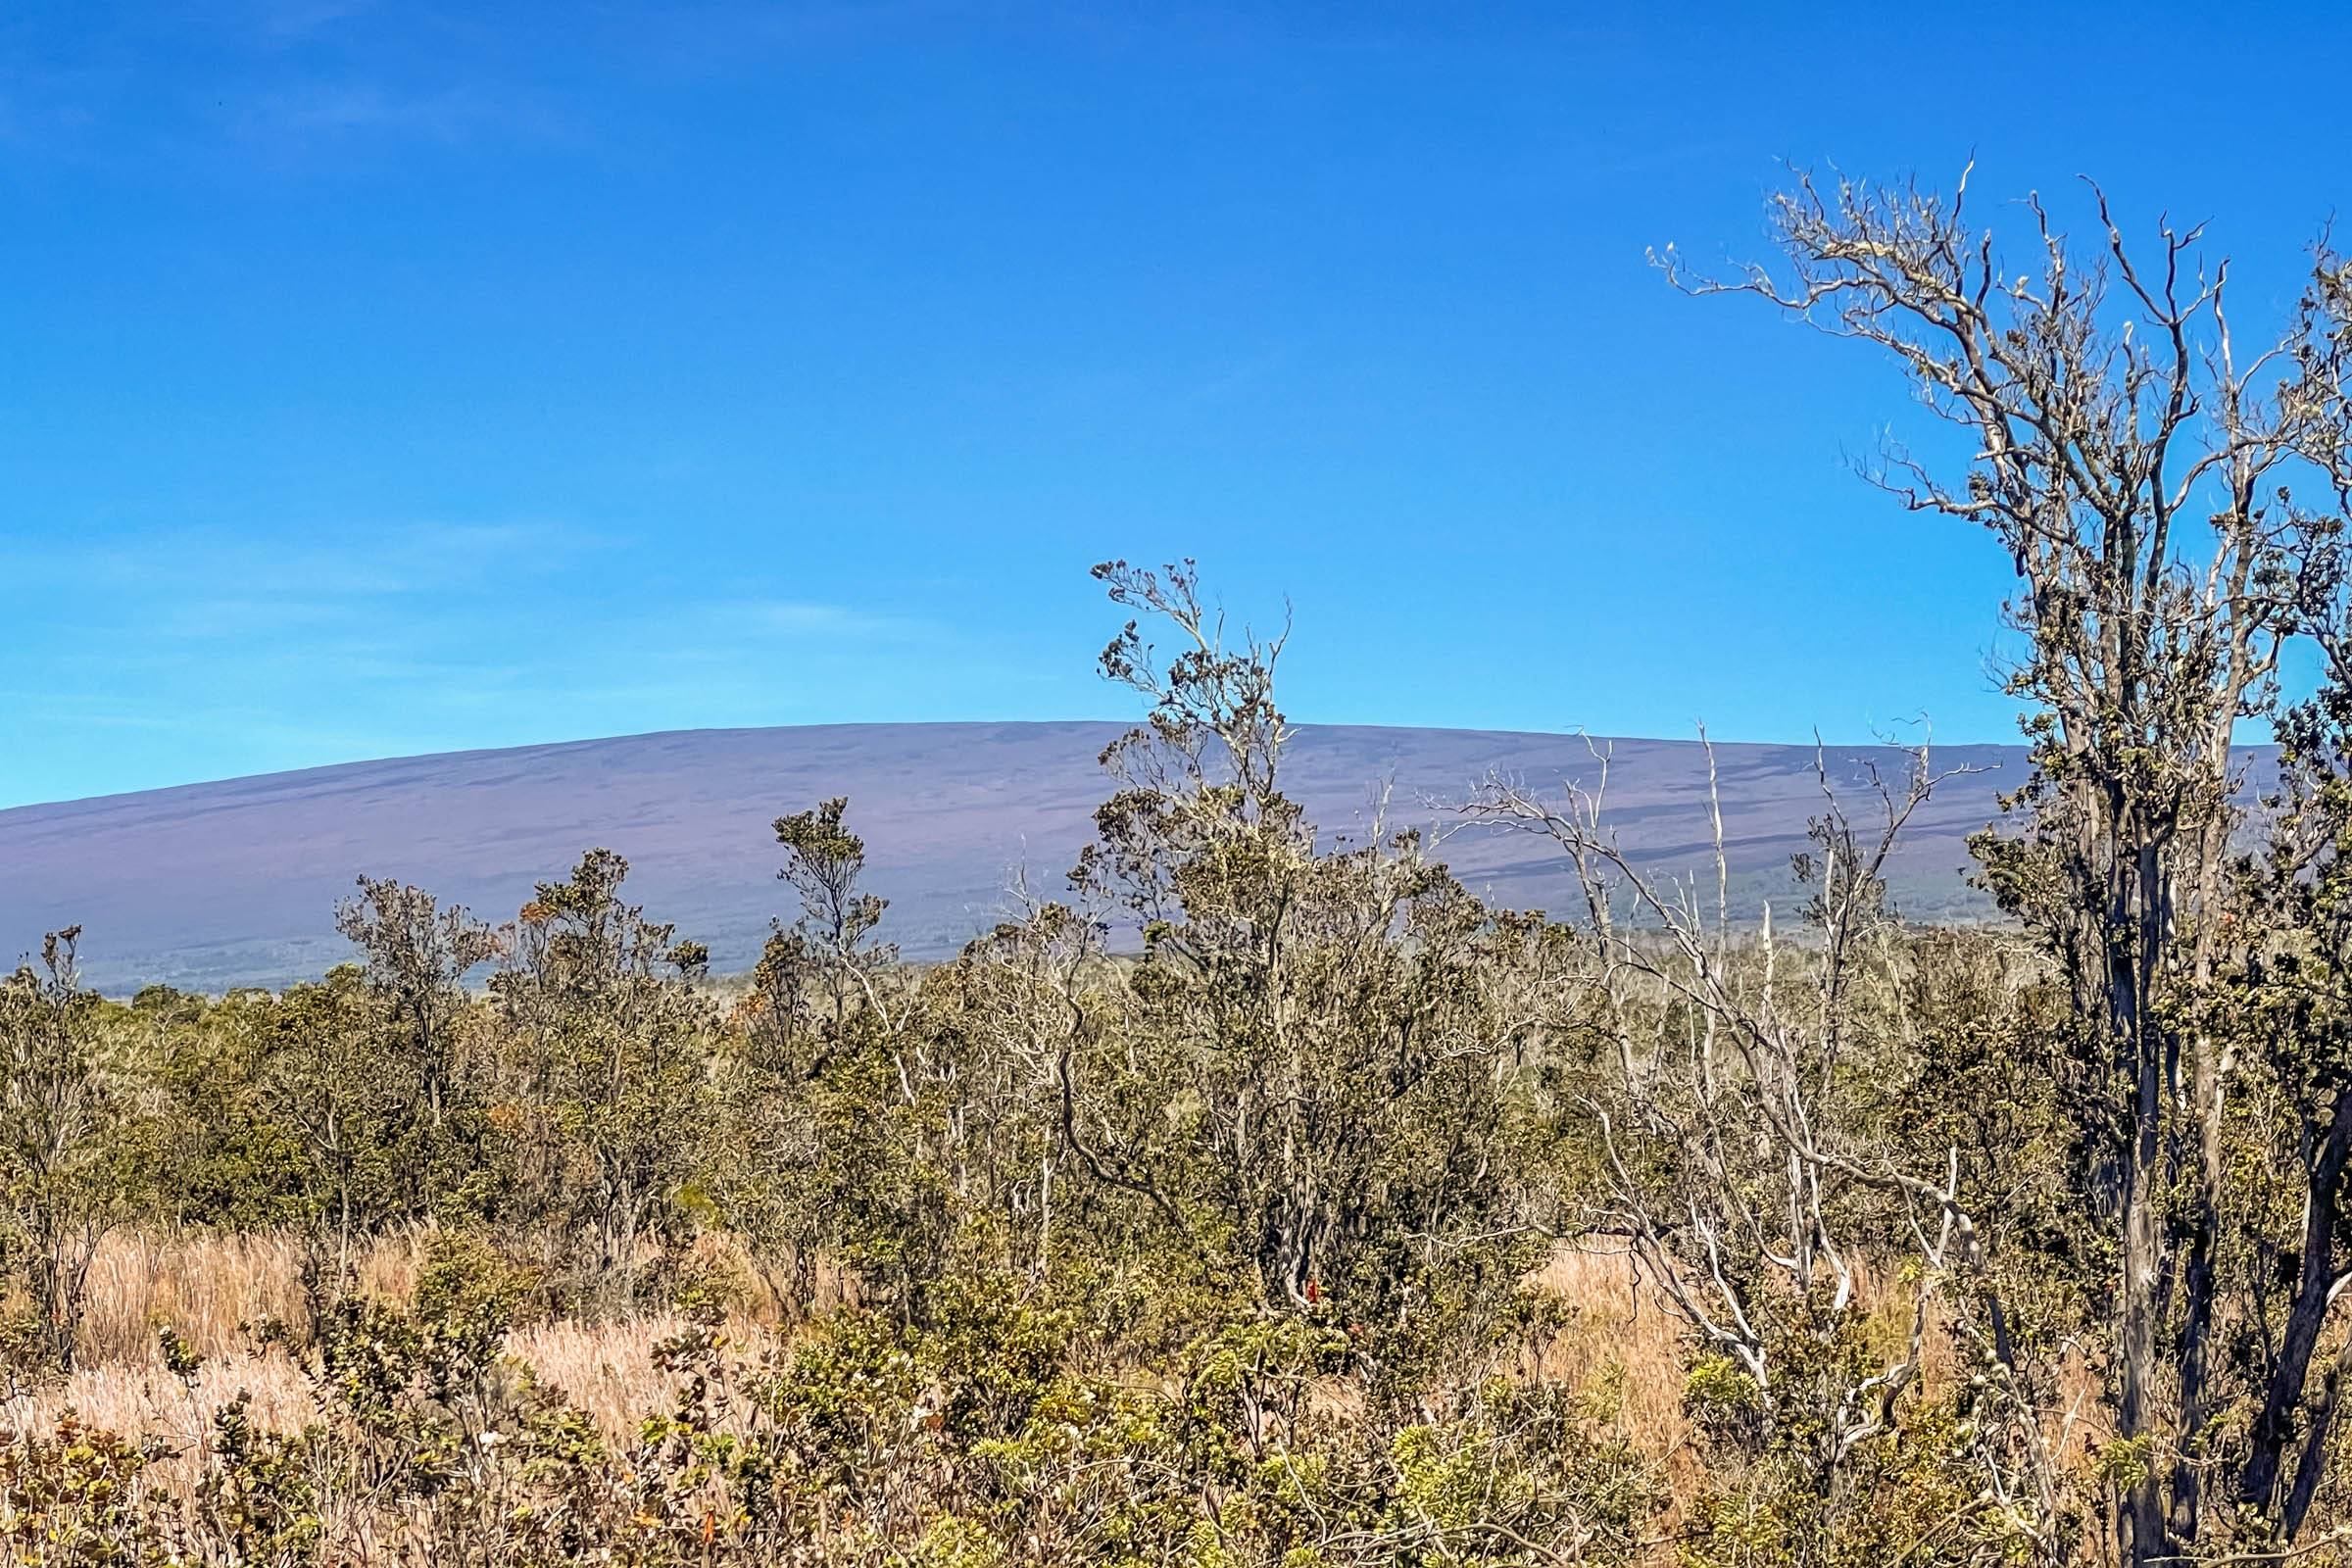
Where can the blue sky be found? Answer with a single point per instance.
(384, 379)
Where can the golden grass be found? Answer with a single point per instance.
(1618, 1329)
(216, 1290)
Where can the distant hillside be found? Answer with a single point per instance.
(209, 885)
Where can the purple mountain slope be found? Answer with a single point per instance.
(210, 885)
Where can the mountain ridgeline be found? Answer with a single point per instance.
(206, 886)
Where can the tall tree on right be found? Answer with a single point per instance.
(2172, 503)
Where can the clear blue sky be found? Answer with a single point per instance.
(381, 379)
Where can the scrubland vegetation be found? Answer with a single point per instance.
(1265, 1200)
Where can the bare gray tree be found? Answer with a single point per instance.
(2134, 465)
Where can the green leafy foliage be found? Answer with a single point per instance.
(1198, 1217)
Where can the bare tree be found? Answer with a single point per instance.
(1740, 1157)
(2134, 464)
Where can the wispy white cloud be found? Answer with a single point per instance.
(384, 640)
(296, 21)
(280, 85)
(721, 37)
(340, 562)
(791, 618)
(309, 114)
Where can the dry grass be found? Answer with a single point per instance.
(1617, 1335)
(606, 1370)
(217, 1290)
(214, 1290)
(1617, 1329)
